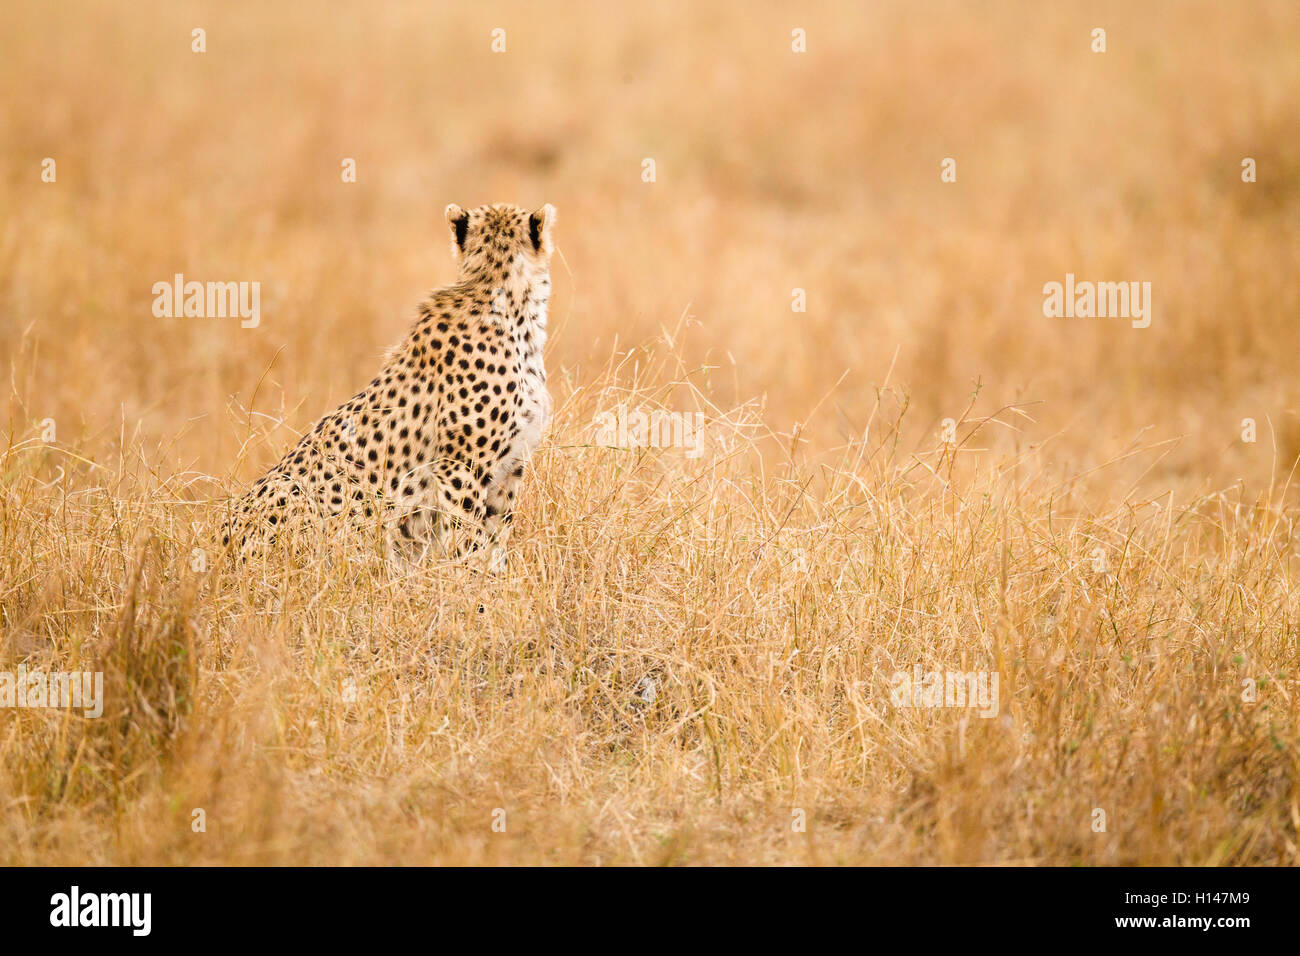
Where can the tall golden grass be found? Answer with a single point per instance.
(686, 660)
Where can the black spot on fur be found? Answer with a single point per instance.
(535, 231)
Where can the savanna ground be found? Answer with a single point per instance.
(685, 657)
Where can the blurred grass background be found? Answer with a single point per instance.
(775, 171)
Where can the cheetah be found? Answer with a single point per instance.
(428, 457)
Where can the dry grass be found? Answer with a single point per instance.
(326, 710)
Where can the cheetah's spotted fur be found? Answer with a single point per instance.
(431, 452)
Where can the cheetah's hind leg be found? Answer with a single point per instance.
(457, 539)
(413, 537)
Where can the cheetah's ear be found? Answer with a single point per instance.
(539, 229)
(458, 219)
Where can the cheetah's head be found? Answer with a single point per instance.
(501, 237)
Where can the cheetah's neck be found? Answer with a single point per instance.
(521, 302)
